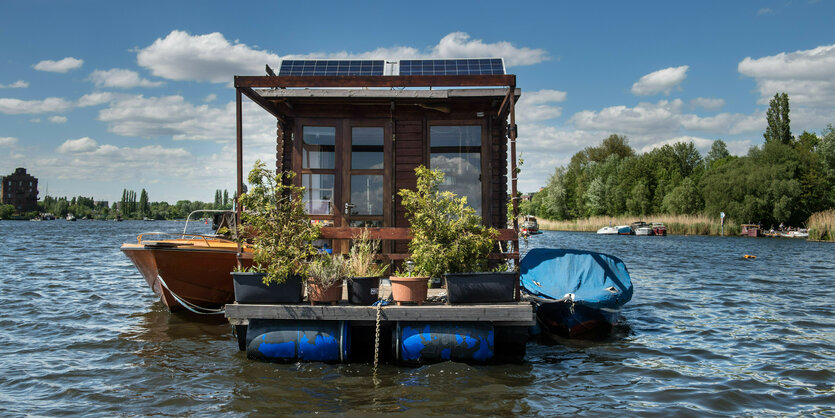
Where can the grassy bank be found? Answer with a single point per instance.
(676, 224)
(821, 226)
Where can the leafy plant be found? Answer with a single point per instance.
(447, 235)
(327, 270)
(280, 230)
(361, 260)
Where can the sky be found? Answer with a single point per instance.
(99, 96)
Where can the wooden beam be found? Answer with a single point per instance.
(376, 81)
(515, 312)
(394, 233)
(265, 104)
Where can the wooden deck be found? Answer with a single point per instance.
(504, 314)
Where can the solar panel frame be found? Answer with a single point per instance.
(331, 68)
(460, 66)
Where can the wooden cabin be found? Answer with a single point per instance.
(750, 230)
(355, 140)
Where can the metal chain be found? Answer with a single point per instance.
(377, 337)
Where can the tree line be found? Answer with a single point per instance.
(128, 207)
(784, 180)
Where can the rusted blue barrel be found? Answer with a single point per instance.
(432, 342)
(282, 340)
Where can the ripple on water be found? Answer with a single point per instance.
(706, 333)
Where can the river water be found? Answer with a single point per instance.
(707, 333)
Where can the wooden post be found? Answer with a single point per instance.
(513, 191)
(240, 145)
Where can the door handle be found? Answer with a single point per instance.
(348, 207)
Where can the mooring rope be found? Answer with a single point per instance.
(188, 305)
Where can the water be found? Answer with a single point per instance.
(707, 333)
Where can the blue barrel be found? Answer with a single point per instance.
(431, 342)
(282, 340)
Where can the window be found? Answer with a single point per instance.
(318, 147)
(318, 193)
(456, 151)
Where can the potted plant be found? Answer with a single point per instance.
(281, 235)
(449, 239)
(324, 283)
(409, 286)
(364, 273)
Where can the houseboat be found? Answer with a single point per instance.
(354, 132)
(750, 230)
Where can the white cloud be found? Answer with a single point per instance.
(7, 141)
(660, 81)
(120, 78)
(21, 107)
(707, 103)
(538, 105)
(210, 98)
(765, 11)
(19, 84)
(76, 146)
(95, 99)
(58, 119)
(61, 66)
(211, 57)
(641, 119)
(806, 76)
(174, 116)
(459, 45)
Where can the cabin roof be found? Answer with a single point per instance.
(384, 93)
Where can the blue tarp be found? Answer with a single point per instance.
(594, 279)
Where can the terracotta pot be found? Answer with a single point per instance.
(316, 293)
(409, 289)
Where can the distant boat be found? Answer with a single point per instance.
(576, 293)
(530, 226)
(800, 233)
(608, 230)
(624, 230)
(71, 217)
(658, 228)
(644, 230)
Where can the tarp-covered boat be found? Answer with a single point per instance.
(578, 293)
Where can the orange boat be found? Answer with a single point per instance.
(188, 271)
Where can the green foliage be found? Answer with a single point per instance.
(447, 235)
(282, 232)
(6, 211)
(777, 116)
(362, 257)
(685, 199)
(718, 151)
(327, 270)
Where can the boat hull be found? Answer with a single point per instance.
(579, 321)
(195, 274)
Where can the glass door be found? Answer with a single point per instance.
(366, 180)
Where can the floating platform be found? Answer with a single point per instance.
(433, 332)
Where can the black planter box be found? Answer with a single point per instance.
(480, 287)
(363, 290)
(250, 288)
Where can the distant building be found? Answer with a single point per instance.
(20, 190)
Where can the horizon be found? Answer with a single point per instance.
(112, 97)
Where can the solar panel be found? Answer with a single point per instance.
(331, 67)
(477, 66)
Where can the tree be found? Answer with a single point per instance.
(718, 151)
(777, 116)
(144, 209)
(596, 197)
(6, 211)
(684, 199)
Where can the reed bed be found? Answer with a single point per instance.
(821, 226)
(676, 224)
